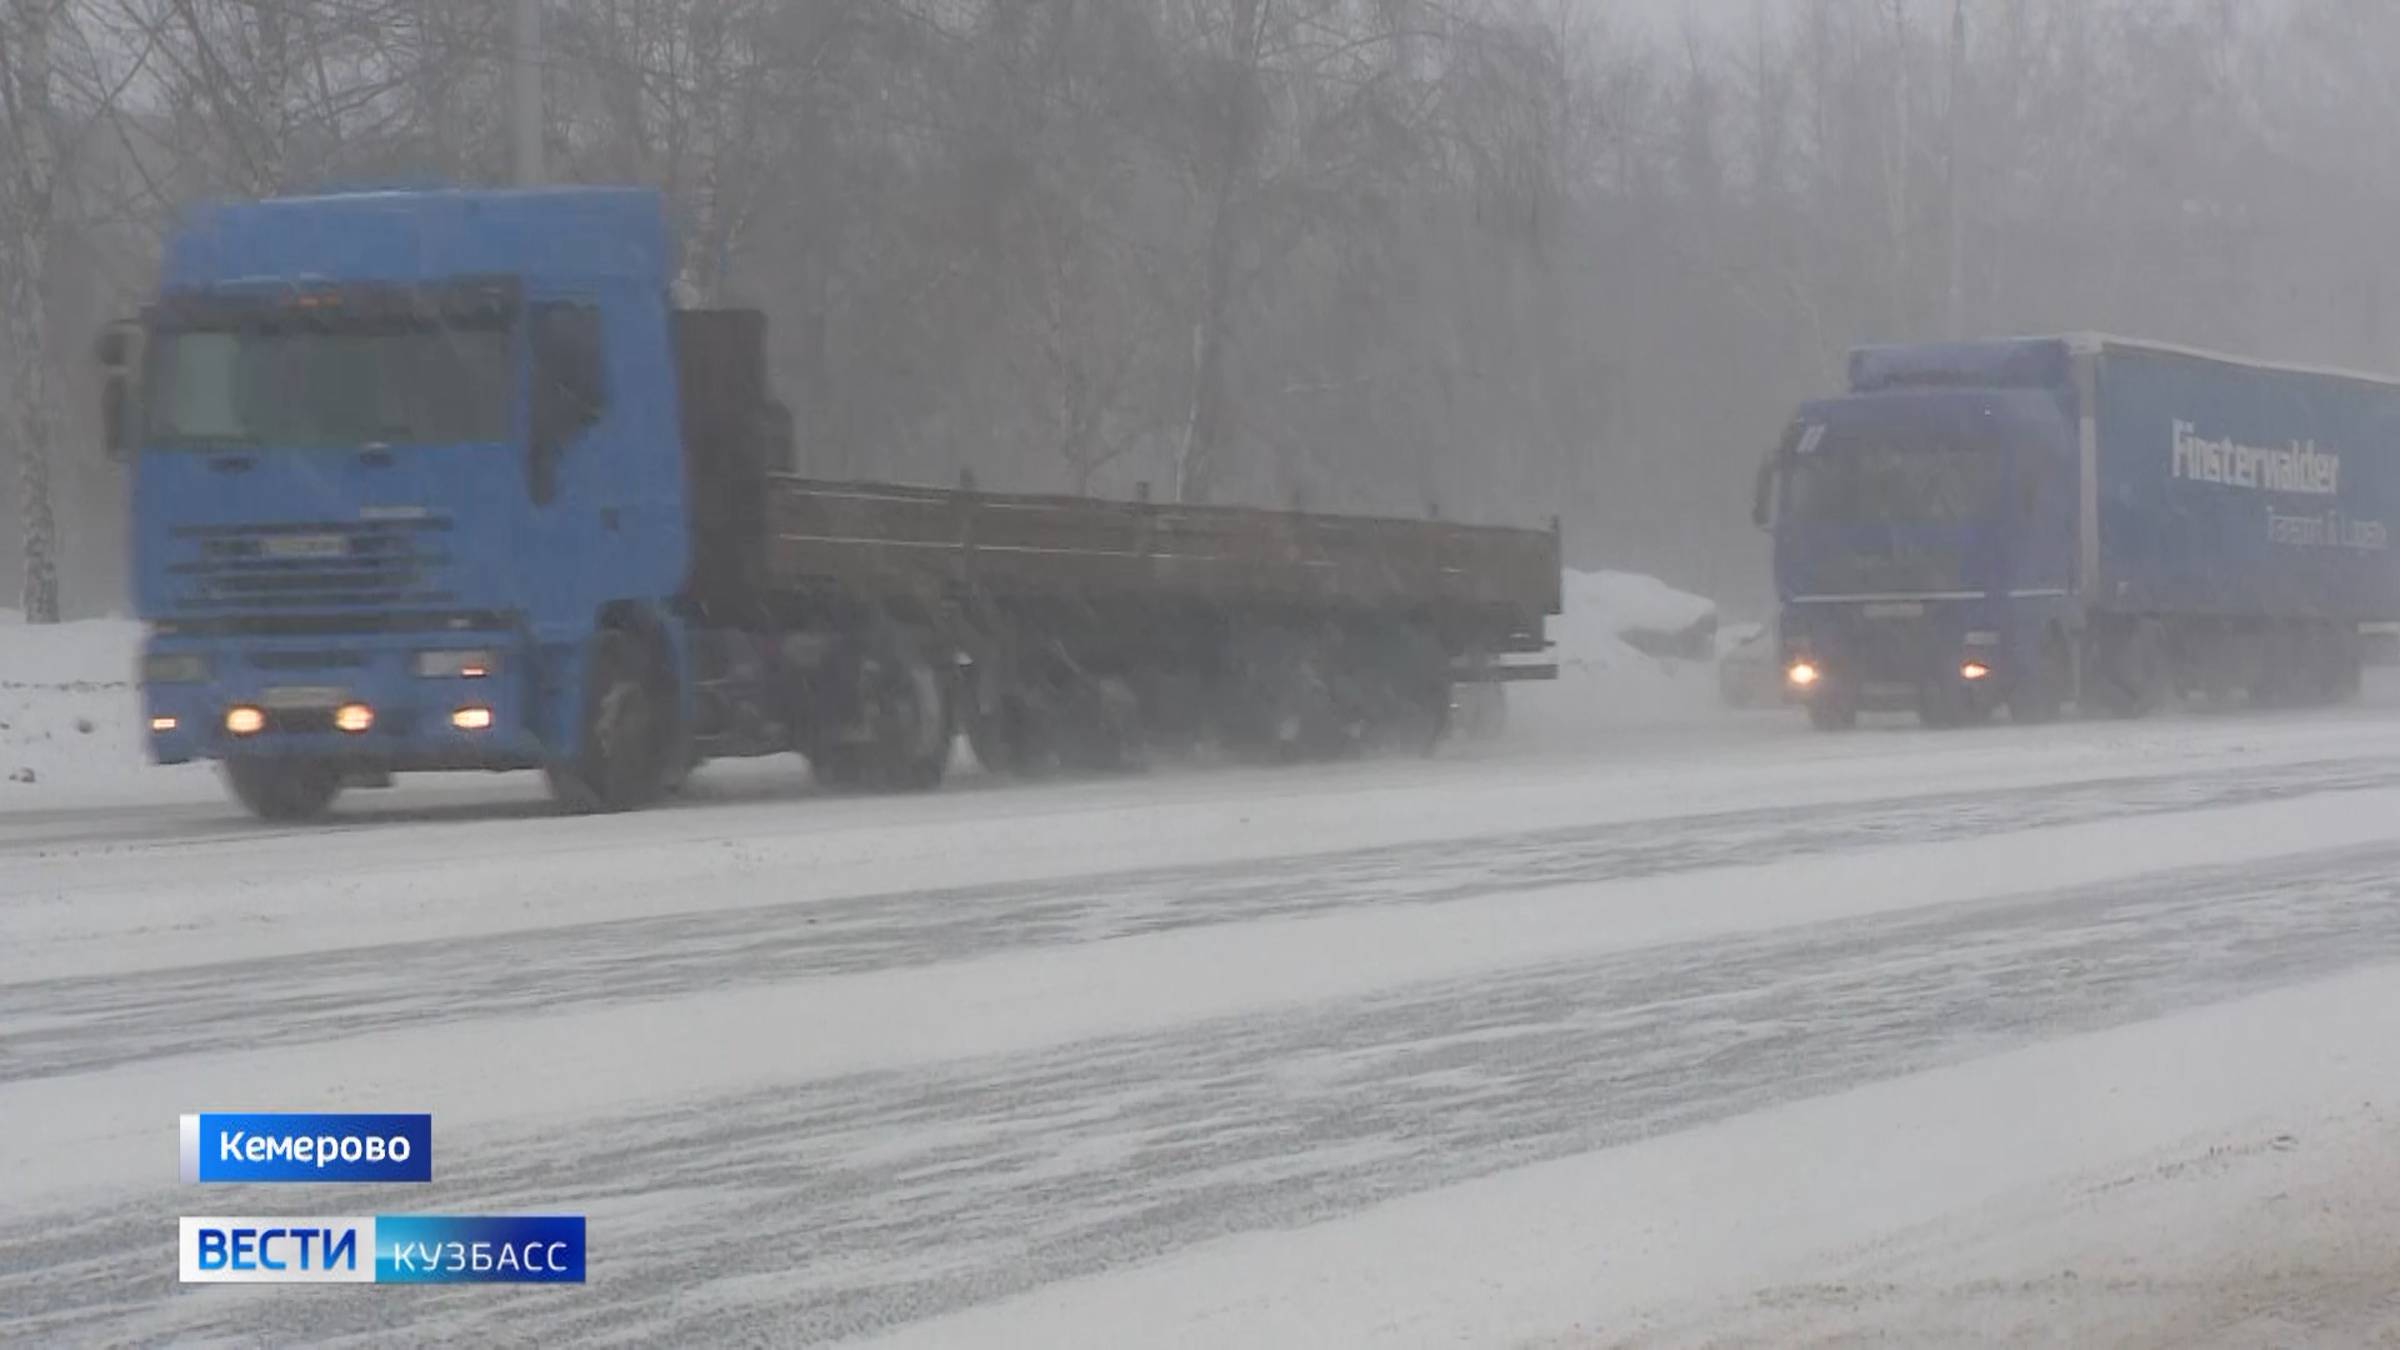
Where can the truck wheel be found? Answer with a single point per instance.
(908, 717)
(621, 764)
(1109, 737)
(2284, 669)
(1943, 706)
(2331, 669)
(1416, 703)
(2042, 694)
(2129, 675)
(1006, 737)
(1478, 711)
(1426, 722)
(1282, 705)
(1305, 716)
(283, 789)
(2347, 667)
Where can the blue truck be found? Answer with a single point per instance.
(2036, 523)
(440, 480)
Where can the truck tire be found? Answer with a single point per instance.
(2330, 669)
(2286, 673)
(909, 721)
(2346, 671)
(621, 763)
(1001, 725)
(283, 789)
(1418, 694)
(1306, 719)
(1478, 711)
(1282, 704)
(2042, 694)
(2128, 676)
(1006, 737)
(1425, 721)
(1108, 736)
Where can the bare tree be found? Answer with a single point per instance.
(1494, 256)
(27, 205)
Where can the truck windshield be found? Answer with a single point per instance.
(1866, 483)
(329, 388)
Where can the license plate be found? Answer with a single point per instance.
(1896, 609)
(303, 696)
(304, 546)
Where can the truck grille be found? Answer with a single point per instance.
(1899, 572)
(307, 660)
(314, 565)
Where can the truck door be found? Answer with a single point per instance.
(603, 471)
(567, 397)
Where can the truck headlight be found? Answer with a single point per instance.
(175, 668)
(460, 665)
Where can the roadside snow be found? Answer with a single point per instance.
(69, 712)
(1629, 601)
(1604, 683)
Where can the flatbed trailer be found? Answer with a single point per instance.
(1085, 630)
(1488, 588)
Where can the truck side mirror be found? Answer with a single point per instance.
(120, 409)
(1762, 495)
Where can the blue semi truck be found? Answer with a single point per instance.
(2036, 523)
(443, 480)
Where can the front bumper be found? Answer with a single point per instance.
(298, 683)
(1885, 658)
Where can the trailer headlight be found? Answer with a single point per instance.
(459, 665)
(175, 668)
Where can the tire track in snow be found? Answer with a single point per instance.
(88, 1023)
(809, 1212)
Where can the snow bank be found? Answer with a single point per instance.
(69, 712)
(1732, 636)
(1604, 681)
(1628, 602)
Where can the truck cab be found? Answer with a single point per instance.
(409, 490)
(1924, 534)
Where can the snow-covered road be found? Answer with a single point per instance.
(1741, 1033)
